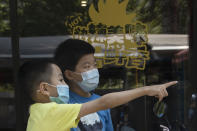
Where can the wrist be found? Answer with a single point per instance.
(146, 90)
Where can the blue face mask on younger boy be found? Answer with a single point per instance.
(63, 94)
(90, 80)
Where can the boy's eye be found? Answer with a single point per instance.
(61, 80)
(87, 66)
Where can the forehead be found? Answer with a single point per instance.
(87, 58)
(55, 70)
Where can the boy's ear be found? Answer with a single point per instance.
(43, 89)
(68, 74)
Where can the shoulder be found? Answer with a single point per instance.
(52, 106)
(42, 105)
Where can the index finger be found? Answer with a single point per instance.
(170, 84)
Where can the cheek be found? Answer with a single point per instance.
(54, 81)
(81, 68)
(53, 92)
(77, 77)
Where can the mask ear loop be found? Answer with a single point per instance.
(77, 73)
(51, 85)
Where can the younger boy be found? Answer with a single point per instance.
(43, 83)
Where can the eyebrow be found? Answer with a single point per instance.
(87, 62)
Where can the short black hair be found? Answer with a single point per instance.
(31, 74)
(69, 52)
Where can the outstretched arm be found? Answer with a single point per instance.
(118, 98)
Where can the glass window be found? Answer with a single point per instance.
(138, 43)
(7, 112)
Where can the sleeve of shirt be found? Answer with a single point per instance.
(109, 125)
(63, 116)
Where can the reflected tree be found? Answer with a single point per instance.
(47, 17)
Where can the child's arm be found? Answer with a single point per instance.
(118, 98)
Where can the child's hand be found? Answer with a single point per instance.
(159, 91)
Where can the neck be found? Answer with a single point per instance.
(77, 89)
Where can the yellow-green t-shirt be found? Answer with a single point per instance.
(53, 117)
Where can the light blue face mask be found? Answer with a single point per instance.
(90, 80)
(63, 94)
